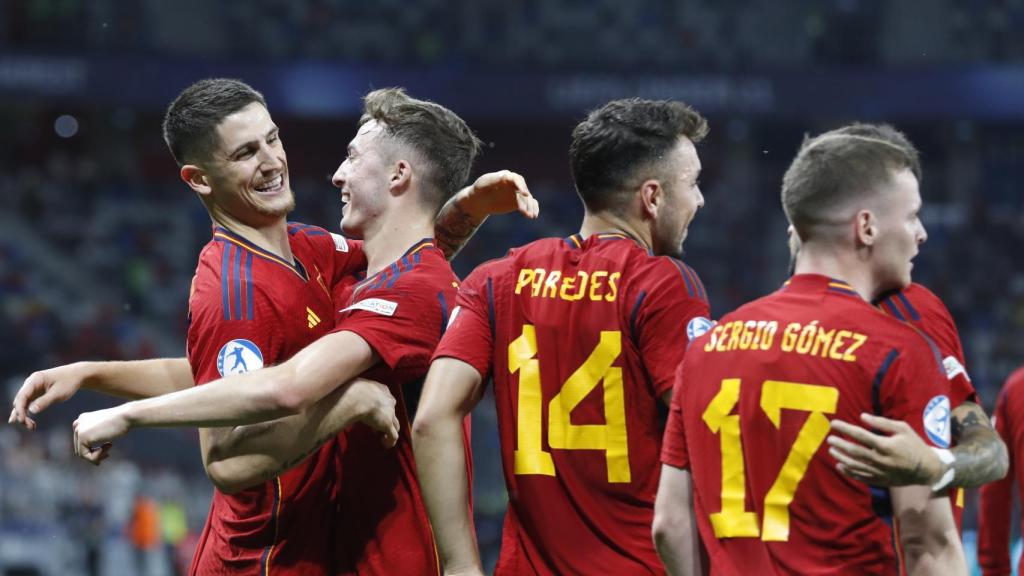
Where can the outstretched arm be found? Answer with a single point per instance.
(256, 396)
(451, 390)
(899, 457)
(492, 193)
(130, 379)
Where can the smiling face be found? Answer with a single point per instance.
(363, 178)
(900, 231)
(682, 199)
(247, 172)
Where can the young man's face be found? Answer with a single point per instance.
(900, 231)
(682, 199)
(248, 169)
(364, 178)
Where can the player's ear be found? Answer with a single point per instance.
(196, 179)
(401, 177)
(652, 196)
(865, 228)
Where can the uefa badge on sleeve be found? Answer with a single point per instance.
(697, 327)
(936, 421)
(239, 356)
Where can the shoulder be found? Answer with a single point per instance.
(667, 273)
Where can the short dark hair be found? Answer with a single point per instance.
(623, 137)
(833, 168)
(434, 132)
(190, 124)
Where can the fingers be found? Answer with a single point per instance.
(25, 394)
(868, 477)
(856, 432)
(96, 455)
(884, 424)
(852, 450)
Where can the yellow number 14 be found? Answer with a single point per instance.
(530, 456)
(734, 521)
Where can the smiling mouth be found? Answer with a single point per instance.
(272, 186)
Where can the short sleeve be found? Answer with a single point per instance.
(673, 446)
(469, 336)
(673, 310)
(401, 324)
(911, 386)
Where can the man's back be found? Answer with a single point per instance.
(758, 393)
(995, 506)
(582, 338)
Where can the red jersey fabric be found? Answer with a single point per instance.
(750, 416)
(921, 308)
(383, 528)
(248, 309)
(581, 338)
(995, 508)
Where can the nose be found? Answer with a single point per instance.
(700, 198)
(922, 235)
(270, 160)
(339, 176)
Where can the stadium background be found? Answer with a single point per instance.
(98, 237)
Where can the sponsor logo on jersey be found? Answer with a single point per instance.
(340, 244)
(375, 305)
(936, 421)
(698, 327)
(239, 356)
(451, 318)
(311, 318)
(954, 368)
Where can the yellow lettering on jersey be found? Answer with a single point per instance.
(530, 457)
(810, 339)
(733, 521)
(597, 286)
(610, 436)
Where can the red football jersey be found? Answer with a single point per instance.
(995, 508)
(581, 338)
(924, 310)
(755, 397)
(401, 312)
(249, 309)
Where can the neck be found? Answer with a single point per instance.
(844, 265)
(392, 236)
(598, 222)
(271, 235)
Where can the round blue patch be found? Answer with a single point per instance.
(698, 326)
(936, 421)
(239, 356)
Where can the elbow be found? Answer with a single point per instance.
(285, 398)
(665, 529)
(227, 479)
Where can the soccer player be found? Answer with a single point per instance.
(743, 448)
(995, 508)
(581, 336)
(407, 159)
(262, 291)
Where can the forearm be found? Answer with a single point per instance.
(245, 456)
(441, 466)
(980, 453)
(455, 225)
(137, 378)
(928, 534)
(675, 528)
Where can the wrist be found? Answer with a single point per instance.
(945, 473)
(470, 207)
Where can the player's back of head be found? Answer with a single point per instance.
(836, 172)
(622, 143)
(442, 140)
(190, 123)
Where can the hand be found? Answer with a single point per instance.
(900, 458)
(45, 388)
(95, 430)
(374, 406)
(498, 193)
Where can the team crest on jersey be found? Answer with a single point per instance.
(340, 244)
(936, 421)
(239, 356)
(698, 326)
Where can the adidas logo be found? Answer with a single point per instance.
(312, 318)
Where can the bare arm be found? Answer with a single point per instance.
(256, 396)
(928, 534)
(131, 380)
(493, 193)
(901, 458)
(675, 527)
(244, 456)
(451, 390)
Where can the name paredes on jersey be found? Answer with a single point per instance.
(807, 339)
(598, 286)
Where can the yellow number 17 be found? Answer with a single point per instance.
(530, 456)
(734, 521)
